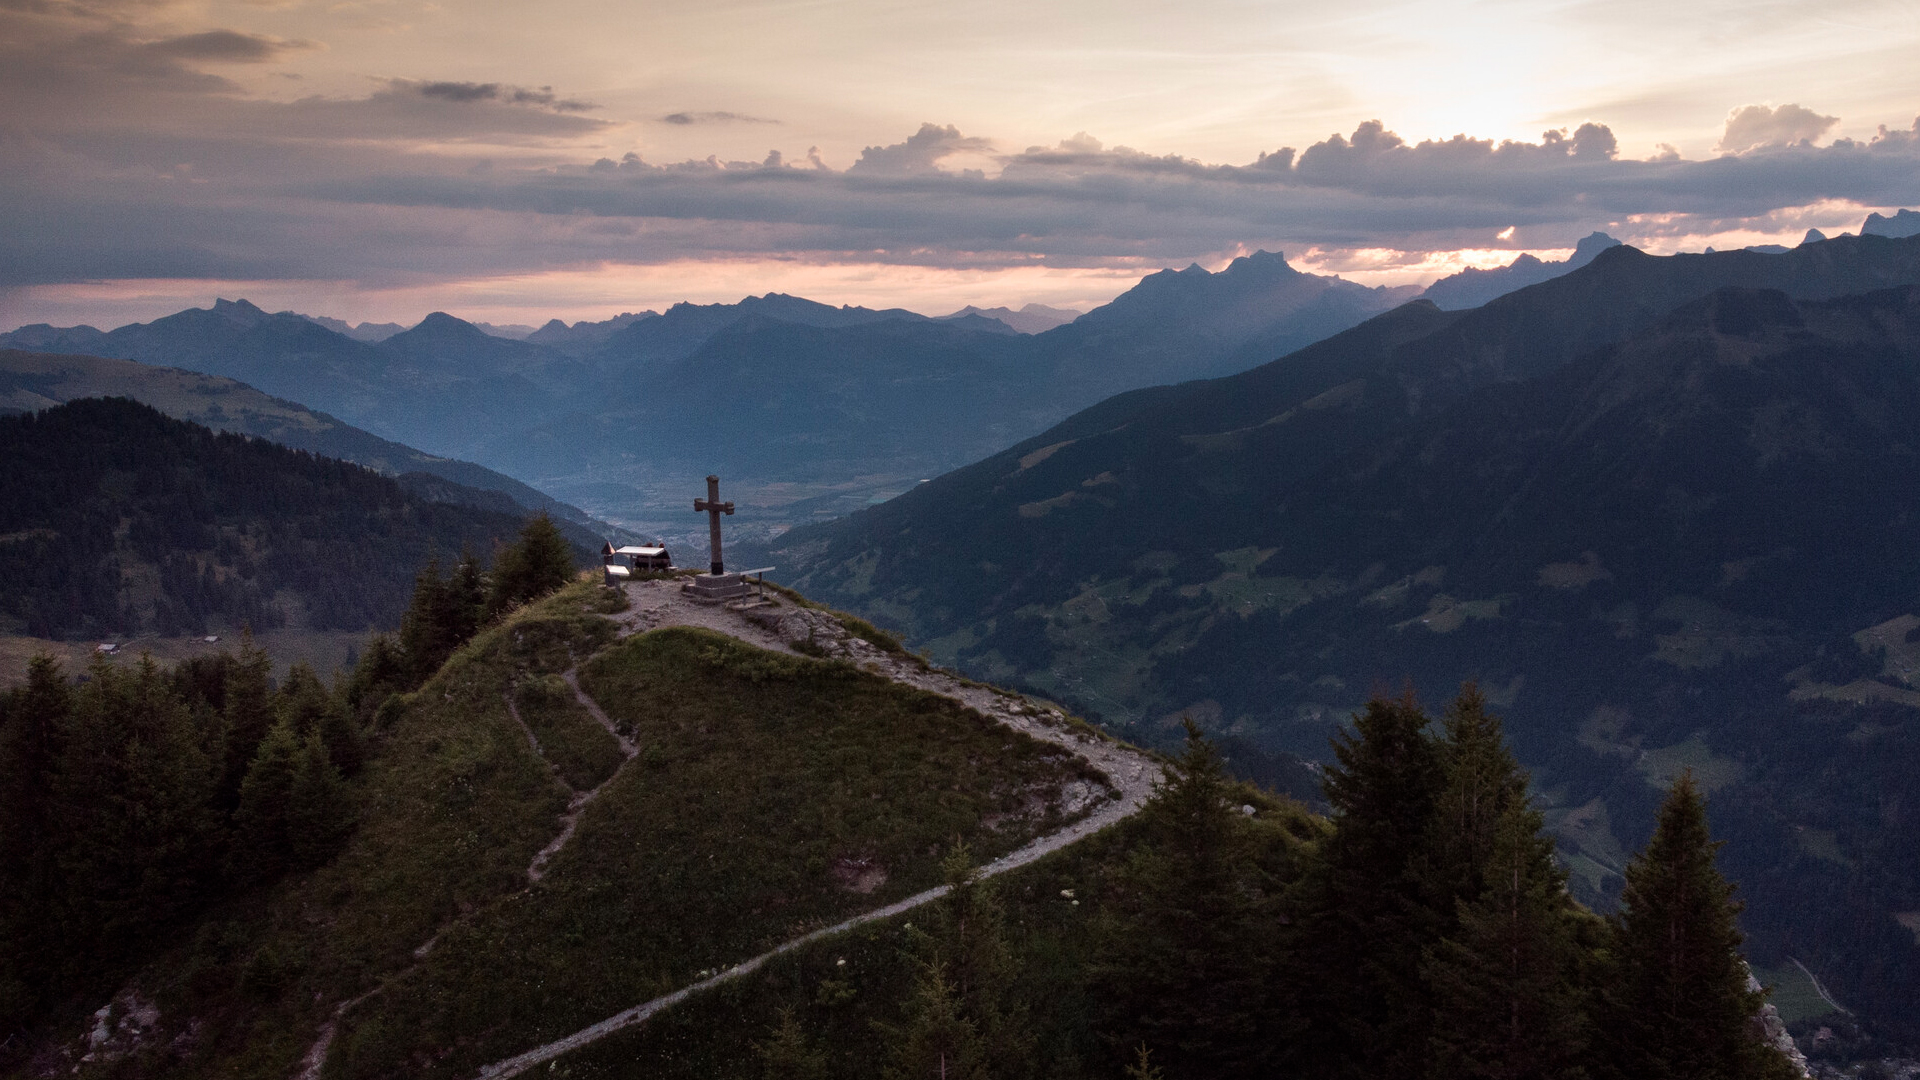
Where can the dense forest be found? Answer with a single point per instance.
(115, 519)
(138, 798)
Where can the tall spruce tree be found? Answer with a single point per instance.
(1505, 985)
(1184, 946)
(32, 717)
(312, 709)
(968, 938)
(532, 566)
(787, 1053)
(318, 815)
(1479, 783)
(427, 630)
(248, 712)
(1363, 923)
(1676, 1004)
(939, 1042)
(259, 851)
(134, 791)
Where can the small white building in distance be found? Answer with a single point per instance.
(623, 563)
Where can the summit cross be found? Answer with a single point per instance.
(713, 508)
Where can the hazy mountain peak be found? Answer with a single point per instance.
(1472, 287)
(1902, 224)
(240, 311)
(1813, 236)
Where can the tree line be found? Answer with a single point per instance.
(137, 796)
(1424, 931)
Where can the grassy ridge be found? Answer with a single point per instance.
(773, 795)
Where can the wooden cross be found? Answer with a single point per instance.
(713, 508)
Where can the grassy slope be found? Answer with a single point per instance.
(844, 1007)
(766, 787)
(454, 805)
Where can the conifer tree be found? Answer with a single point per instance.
(1181, 952)
(1676, 1003)
(312, 709)
(787, 1053)
(318, 816)
(260, 824)
(381, 673)
(1362, 918)
(31, 719)
(247, 711)
(1506, 999)
(969, 939)
(938, 1042)
(467, 596)
(532, 566)
(427, 629)
(134, 790)
(1479, 782)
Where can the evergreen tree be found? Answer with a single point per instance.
(1505, 986)
(318, 814)
(1479, 782)
(1362, 920)
(427, 629)
(31, 719)
(969, 940)
(532, 566)
(134, 794)
(467, 596)
(938, 1041)
(260, 824)
(381, 673)
(1181, 951)
(1142, 1066)
(248, 711)
(312, 709)
(1677, 1005)
(788, 1054)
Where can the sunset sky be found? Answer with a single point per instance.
(378, 159)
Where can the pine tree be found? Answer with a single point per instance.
(1362, 920)
(1507, 1004)
(381, 673)
(532, 566)
(938, 1041)
(248, 713)
(467, 596)
(260, 824)
(787, 1053)
(1676, 1002)
(427, 629)
(31, 719)
(134, 792)
(1479, 782)
(969, 940)
(1181, 951)
(312, 709)
(318, 815)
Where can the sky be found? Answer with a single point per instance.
(378, 159)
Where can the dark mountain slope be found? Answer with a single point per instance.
(33, 381)
(116, 518)
(1693, 545)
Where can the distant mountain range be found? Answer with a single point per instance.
(806, 408)
(1472, 287)
(1663, 508)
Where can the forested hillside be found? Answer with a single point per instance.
(117, 520)
(516, 824)
(1660, 536)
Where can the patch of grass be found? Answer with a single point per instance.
(870, 633)
(1663, 766)
(1794, 995)
(765, 779)
(573, 741)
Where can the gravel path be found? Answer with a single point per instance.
(777, 625)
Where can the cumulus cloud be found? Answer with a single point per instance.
(920, 154)
(1752, 127)
(687, 118)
